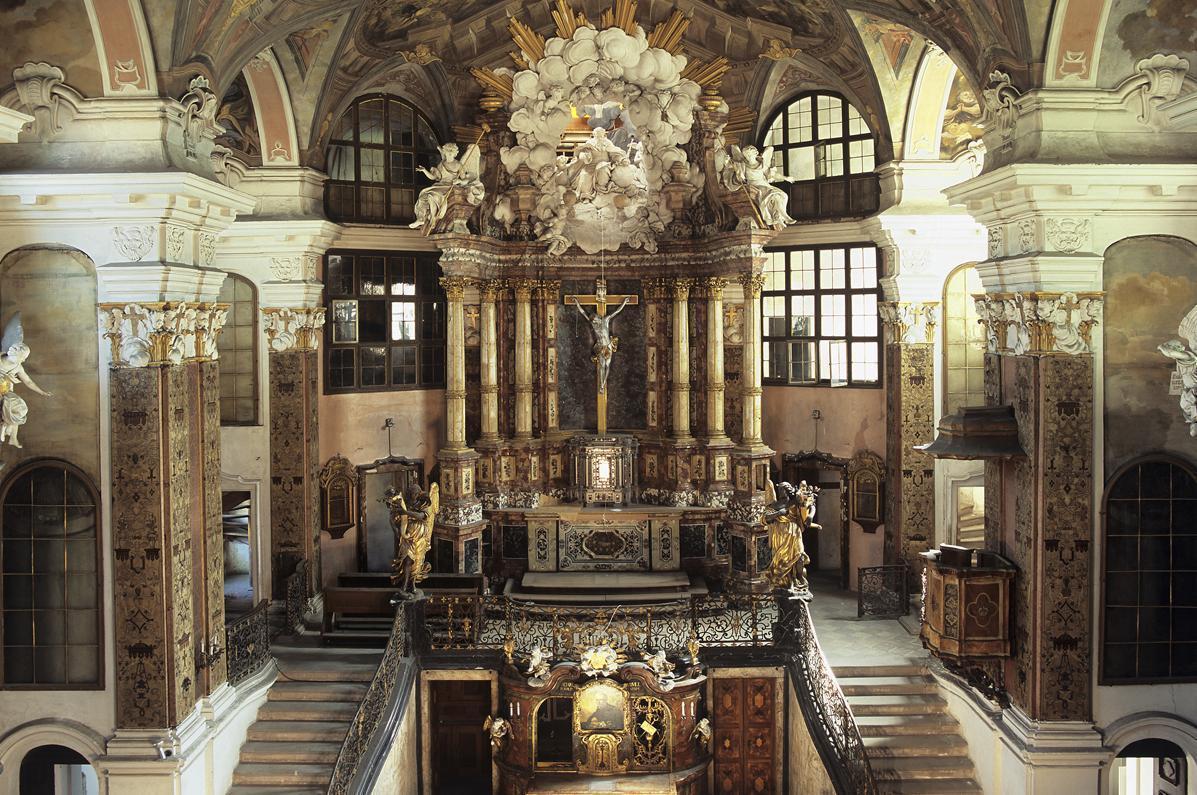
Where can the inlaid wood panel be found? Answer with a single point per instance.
(743, 715)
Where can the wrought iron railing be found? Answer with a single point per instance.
(373, 709)
(296, 598)
(494, 622)
(824, 708)
(883, 591)
(248, 641)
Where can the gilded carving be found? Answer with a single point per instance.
(292, 328)
(910, 322)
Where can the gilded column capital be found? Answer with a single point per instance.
(161, 332)
(522, 288)
(656, 288)
(455, 286)
(1039, 322)
(910, 322)
(680, 288)
(489, 289)
(752, 283)
(292, 328)
(713, 286)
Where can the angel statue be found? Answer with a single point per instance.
(752, 171)
(498, 729)
(702, 733)
(450, 174)
(412, 520)
(13, 409)
(1183, 353)
(788, 516)
(604, 344)
(538, 667)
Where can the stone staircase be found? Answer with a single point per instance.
(912, 741)
(294, 743)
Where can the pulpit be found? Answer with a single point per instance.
(966, 607)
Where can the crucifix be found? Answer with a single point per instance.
(605, 345)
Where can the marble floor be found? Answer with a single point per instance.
(848, 640)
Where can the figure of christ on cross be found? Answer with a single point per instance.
(605, 345)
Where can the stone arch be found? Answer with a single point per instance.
(1145, 726)
(1074, 43)
(28, 736)
(924, 117)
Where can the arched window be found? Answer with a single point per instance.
(824, 144)
(50, 578)
(238, 348)
(1150, 604)
(371, 161)
(963, 341)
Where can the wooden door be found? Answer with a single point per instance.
(460, 748)
(744, 718)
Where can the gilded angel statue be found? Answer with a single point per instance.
(497, 728)
(13, 409)
(449, 174)
(788, 515)
(1185, 355)
(412, 520)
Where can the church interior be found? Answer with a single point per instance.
(673, 397)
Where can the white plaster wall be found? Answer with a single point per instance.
(399, 775)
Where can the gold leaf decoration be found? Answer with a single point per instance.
(528, 40)
(668, 34)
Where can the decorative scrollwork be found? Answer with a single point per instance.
(650, 734)
(883, 591)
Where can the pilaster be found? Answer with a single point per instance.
(523, 357)
(718, 445)
(910, 406)
(293, 334)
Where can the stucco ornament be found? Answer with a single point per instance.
(608, 193)
(600, 660)
(1184, 352)
(1159, 80)
(538, 666)
(13, 409)
(463, 175)
(497, 729)
(1001, 109)
(752, 171)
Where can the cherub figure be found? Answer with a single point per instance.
(13, 409)
(498, 729)
(412, 521)
(702, 733)
(788, 516)
(538, 666)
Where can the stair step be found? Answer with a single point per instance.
(290, 752)
(852, 671)
(923, 768)
(327, 672)
(250, 789)
(914, 745)
(283, 775)
(896, 688)
(902, 725)
(897, 705)
(943, 787)
(306, 710)
(303, 731)
(317, 691)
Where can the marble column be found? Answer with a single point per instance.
(165, 452)
(293, 335)
(523, 357)
(715, 384)
(680, 386)
(910, 406)
(459, 523)
(490, 361)
(547, 292)
(751, 378)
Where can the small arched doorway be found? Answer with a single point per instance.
(1152, 766)
(57, 770)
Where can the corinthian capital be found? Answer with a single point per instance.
(292, 328)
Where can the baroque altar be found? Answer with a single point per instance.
(602, 242)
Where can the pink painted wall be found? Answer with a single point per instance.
(853, 419)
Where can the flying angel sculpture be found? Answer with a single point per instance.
(1185, 355)
(412, 525)
(13, 409)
